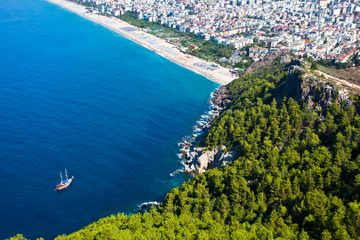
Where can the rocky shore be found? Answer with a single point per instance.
(196, 159)
(145, 207)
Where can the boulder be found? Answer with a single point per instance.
(217, 157)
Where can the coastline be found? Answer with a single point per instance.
(220, 75)
(197, 159)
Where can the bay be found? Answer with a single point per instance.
(76, 95)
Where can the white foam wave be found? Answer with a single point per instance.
(198, 130)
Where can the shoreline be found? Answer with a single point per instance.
(159, 46)
(190, 152)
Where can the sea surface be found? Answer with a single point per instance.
(76, 95)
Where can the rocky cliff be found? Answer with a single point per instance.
(307, 87)
(196, 159)
(200, 160)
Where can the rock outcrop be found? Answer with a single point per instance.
(201, 160)
(195, 159)
(311, 89)
(145, 207)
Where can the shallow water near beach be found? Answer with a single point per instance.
(76, 95)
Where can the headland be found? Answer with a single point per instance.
(209, 70)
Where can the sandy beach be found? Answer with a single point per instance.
(220, 75)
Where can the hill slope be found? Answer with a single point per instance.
(296, 174)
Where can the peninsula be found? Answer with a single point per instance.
(209, 70)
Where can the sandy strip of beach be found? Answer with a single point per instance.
(220, 75)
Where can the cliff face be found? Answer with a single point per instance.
(308, 88)
(199, 160)
(195, 159)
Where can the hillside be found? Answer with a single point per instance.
(350, 74)
(296, 173)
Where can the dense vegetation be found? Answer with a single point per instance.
(333, 64)
(299, 171)
(353, 61)
(87, 4)
(297, 175)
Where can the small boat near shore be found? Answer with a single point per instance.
(64, 183)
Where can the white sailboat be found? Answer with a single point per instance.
(64, 183)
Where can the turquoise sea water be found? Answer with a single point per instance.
(76, 95)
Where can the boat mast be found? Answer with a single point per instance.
(61, 177)
(66, 174)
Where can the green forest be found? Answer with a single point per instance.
(297, 174)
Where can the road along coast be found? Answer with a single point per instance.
(209, 70)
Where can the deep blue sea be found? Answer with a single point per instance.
(76, 95)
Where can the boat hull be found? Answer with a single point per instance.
(64, 185)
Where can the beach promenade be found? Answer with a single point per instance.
(218, 74)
